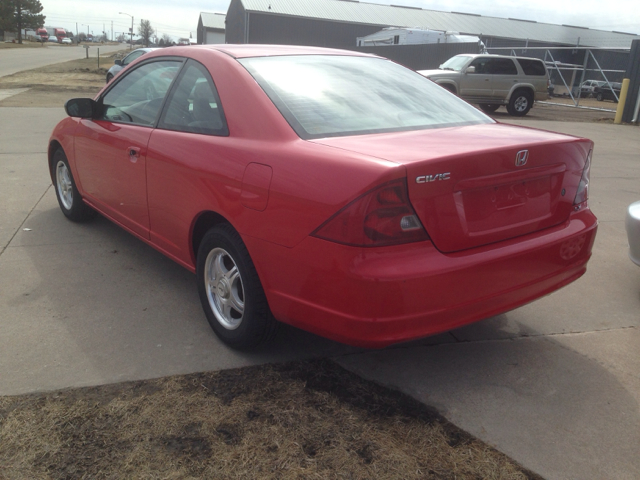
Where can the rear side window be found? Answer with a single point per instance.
(532, 67)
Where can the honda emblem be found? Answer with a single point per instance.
(521, 157)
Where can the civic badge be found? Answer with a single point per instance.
(521, 157)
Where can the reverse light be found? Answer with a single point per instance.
(582, 195)
(383, 216)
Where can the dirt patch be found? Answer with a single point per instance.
(561, 112)
(296, 420)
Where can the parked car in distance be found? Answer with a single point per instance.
(335, 191)
(632, 224)
(585, 89)
(120, 64)
(494, 80)
(52, 39)
(67, 41)
(606, 92)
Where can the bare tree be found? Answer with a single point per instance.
(146, 31)
(167, 39)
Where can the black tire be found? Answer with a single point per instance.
(230, 291)
(520, 103)
(489, 107)
(67, 193)
(109, 77)
(599, 97)
(449, 88)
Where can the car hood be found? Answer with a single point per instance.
(437, 73)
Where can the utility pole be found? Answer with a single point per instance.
(112, 30)
(131, 33)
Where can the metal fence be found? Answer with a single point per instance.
(567, 75)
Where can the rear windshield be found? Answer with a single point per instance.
(532, 67)
(327, 95)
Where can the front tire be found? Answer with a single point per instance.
(599, 97)
(69, 197)
(230, 290)
(109, 77)
(489, 108)
(520, 103)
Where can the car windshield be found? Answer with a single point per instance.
(322, 96)
(455, 63)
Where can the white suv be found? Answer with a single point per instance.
(494, 80)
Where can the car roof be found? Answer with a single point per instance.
(493, 55)
(255, 50)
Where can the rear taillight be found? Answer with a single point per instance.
(382, 216)
(582, 194)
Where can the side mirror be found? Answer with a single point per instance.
(118, 62)
(471, 69)
(81, 107)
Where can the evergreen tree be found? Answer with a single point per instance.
(17, 15)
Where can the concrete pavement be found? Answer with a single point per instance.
(554, 384)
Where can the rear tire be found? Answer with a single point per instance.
(520, 103)
(230, 290)
(599, 97)
(69, 197)
(489, 107)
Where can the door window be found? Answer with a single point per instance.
(194, 105)
(481, 65)
(138, 96)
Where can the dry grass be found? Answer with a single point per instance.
(299, 420)
(25, 44)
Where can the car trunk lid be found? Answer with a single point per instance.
(476, 185)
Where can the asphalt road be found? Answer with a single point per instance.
(13, 60)
(554, 384)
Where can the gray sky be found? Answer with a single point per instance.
(180, 18)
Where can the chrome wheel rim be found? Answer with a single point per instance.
(521, 104)
(64, 185)
(225, 291)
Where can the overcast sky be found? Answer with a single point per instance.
(180, 18)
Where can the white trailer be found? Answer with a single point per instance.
(414, 36)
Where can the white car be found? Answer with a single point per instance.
(67, 40)
(120, 64)
(633, 231)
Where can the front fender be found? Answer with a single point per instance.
(63, 136)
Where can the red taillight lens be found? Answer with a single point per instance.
(582, 194)
(380, 217)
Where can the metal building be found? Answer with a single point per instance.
(211, 28)
(337, 24)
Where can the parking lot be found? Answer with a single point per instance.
(554, 384)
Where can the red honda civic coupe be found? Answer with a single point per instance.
(331, 190)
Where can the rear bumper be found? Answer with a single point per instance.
(632, 225)
(376, 297)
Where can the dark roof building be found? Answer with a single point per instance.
(211, 28)
(337, 23)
